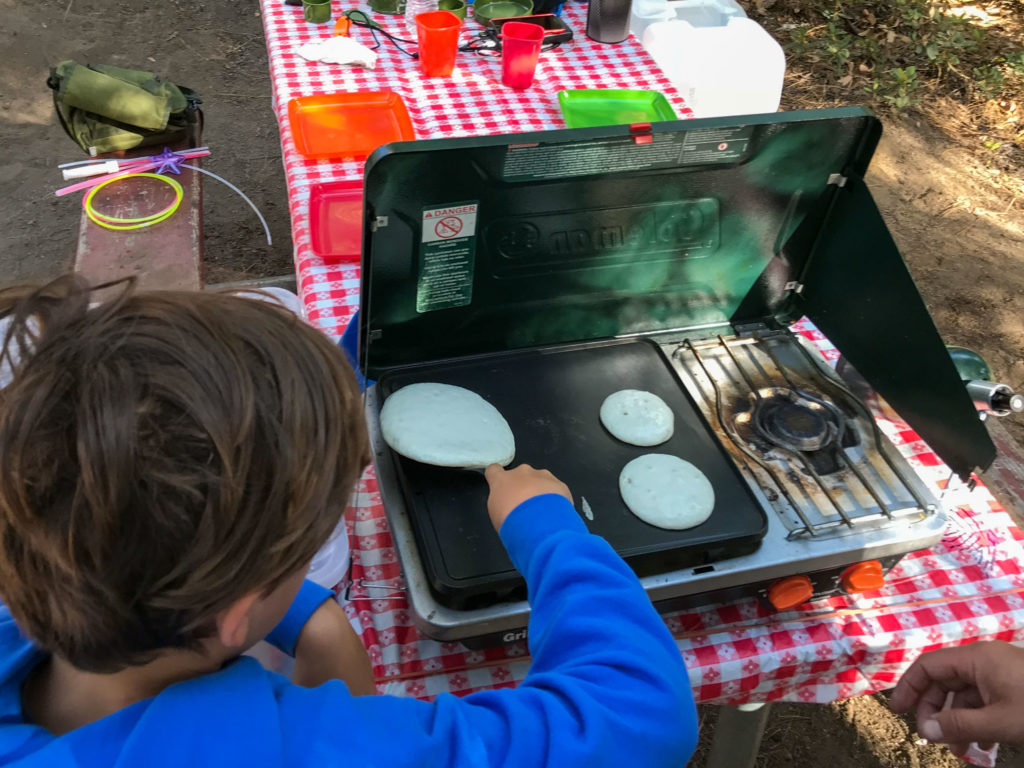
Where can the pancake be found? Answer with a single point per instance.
(447, 426)
(666, 492)
(637, 417)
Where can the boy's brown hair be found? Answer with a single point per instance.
(161, 455)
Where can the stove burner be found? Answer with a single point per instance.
(794, 420)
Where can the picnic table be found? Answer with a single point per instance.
(968, 587)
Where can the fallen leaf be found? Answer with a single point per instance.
(890, 36)
(846, 80)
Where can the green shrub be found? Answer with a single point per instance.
(892, 49)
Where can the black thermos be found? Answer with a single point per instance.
(608, 20)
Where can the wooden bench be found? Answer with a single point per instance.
(168, 255)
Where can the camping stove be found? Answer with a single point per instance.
(842, 505)
(546, 271)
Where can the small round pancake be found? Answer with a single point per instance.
(637, 417)
(447, 426)
(666, 492)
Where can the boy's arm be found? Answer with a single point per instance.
(607, 685)
(285, 636)
(317, 633)
(329, 649)
(607, 682)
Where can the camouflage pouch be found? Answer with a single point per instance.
(106, 109)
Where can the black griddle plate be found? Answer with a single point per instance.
(551, 399)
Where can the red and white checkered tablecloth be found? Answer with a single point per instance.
(470, 103)
(969, 587)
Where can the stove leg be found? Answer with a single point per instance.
(737, 737)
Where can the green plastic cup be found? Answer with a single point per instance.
(316, 11)
(458, 7)
(390, 7)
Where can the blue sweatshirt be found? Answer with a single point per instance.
(607, 687)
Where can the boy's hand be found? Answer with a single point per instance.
(329, 649)
(510, 488)
(987, 681)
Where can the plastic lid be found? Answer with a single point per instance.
(653, 9)
(577, 235)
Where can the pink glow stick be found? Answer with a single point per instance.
(128, 166)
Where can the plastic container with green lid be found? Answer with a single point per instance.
(590, 108)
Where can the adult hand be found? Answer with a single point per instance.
(987, 683)
(510, 488)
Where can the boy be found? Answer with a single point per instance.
(169, 464)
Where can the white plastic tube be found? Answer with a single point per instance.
(90, 169)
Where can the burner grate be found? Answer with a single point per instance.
(795, 426)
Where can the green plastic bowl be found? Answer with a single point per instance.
(486, 11)
(458, 7)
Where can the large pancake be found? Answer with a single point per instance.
(447, 426)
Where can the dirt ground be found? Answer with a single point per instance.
(216, 48)
(963, 238)
(959, 224)
(856, 733)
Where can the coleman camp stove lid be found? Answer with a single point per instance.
(485, 244)
(480, 245)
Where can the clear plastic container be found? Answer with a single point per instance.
(699, 13)
(414, 8)
(706, 13)
(647, 12)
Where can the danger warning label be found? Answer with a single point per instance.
(447, 257)
(449, 223)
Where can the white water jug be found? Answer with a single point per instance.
(734, 69)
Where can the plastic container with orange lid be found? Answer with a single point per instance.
(340, 125)
(335, 219)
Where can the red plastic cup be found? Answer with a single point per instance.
(520, 49)
(438, 36)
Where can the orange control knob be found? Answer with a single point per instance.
(863, 577)
(790, 592)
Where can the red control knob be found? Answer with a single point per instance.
(863, 577)
(790, 592)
